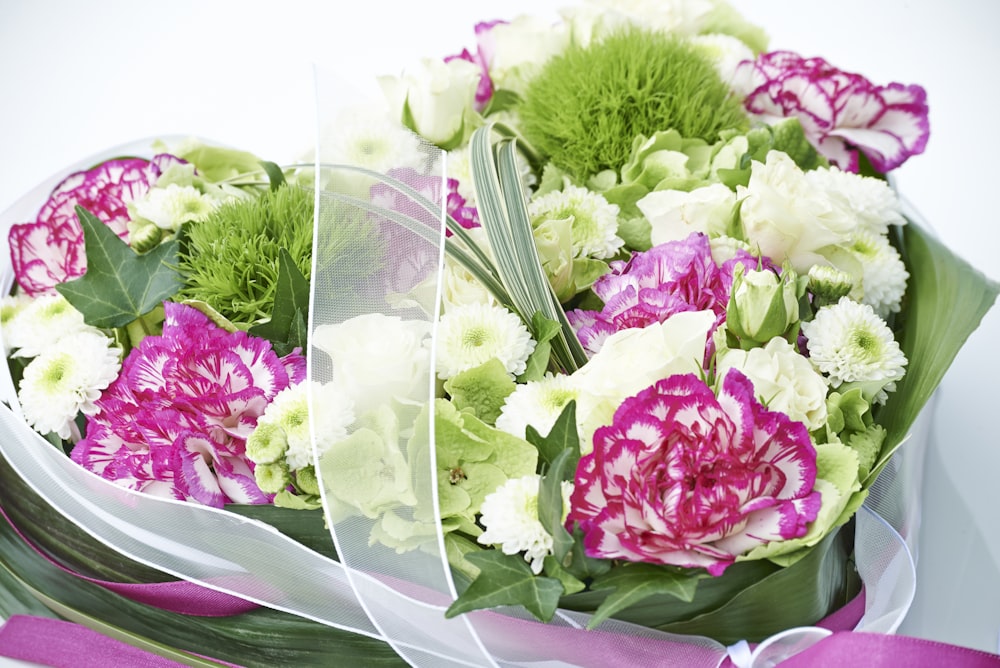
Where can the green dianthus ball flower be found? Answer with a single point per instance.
(586, 106)
(230, 260)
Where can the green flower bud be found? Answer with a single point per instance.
(829, 284)
(762, 305)
(143, 235)
(272, 478)
(306, 481)
(267, 443)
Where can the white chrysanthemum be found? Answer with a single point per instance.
(510, 515)
(66, 380)
(42, 323)
(11, 307)
(471, 335)
(885, 275)
(537, 403)
(849, 343)
(875, 205)
(290, 412)
(783, 379)
(460, 169)
(169, 208)
(595, 221)
(367, 137)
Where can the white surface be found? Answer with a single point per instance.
(76, 78)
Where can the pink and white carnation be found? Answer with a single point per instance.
(841, 112)
(685, 478)
(50, 250)
(175, 422)
(674, 277)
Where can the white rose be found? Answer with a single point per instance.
(519, 49)
(439, 96)
(783, 379)
(377, 358)
(673, 214)
(633, 359)
(787, 217)
(599, 18)
(725, 51)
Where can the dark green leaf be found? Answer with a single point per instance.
(550, 501)
(274, 174)
(119, 286)
(505, 579)
(561, 437)
(291, 304)
(582, 566)
(501, 100)
(537, 364)
(633, 582)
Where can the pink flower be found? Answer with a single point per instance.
(685, 478)
(482, 57)
(839, 111)
(175, 422)
(50, 250)
(653, 285)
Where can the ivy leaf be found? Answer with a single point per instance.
(563, 435)
(120, 286)
(633, 582)
(505, 579)
(287, 328)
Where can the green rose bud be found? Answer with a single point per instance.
(762, 305)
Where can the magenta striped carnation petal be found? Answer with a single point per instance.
(681, 476)
(49, 250)
(182, 408)
(841, 112)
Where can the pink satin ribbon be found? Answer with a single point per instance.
(178, 596)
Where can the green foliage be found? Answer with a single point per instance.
(119, 286)
(287, 328)
(231, 261)
(786, 136)
(633, 582)
(586, 106)
(506, 580)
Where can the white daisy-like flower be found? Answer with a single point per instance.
(11, 307)
(885, 275)
(510, 515)
(66, 380)
(289, 411)
(850, 343)
(169, 208)
(368, 137)
(471, 335)
(460, 169)
(537, 403)
(595, 220)
(872, 201)
(41, 324)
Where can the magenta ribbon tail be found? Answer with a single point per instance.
(874, 650)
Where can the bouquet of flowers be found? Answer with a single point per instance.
(614, 337)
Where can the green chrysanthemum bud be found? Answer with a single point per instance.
(306, 481)
(143, 235)
(829, 284)
(272, 478)
(762, 305)
(267, 444)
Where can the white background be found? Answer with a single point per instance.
(77, 78)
